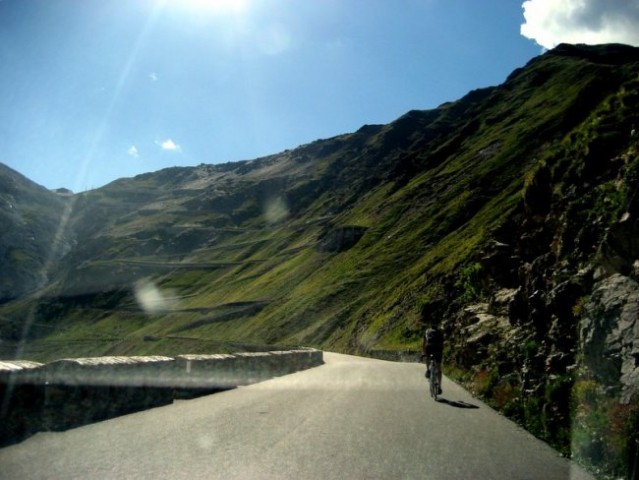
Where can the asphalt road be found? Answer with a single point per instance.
(351, 418)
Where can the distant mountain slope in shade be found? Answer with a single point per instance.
(509, 216)
(30, 217)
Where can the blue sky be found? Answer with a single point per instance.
(95, 90)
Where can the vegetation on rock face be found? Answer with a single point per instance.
(564, 253)
(508, 216)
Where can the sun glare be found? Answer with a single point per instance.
(216, 6)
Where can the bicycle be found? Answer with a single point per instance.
(433, 378)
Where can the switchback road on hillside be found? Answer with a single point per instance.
(352, 418)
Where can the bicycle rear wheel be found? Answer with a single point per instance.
(434, 381)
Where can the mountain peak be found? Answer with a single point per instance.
(611, 53)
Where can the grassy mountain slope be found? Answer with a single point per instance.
(496, 214)
(427, 191)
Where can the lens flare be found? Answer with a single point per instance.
(276, 210)
(151, 299)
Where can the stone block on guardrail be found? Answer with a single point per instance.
(282, 362)
(206, 371)
(22, 370)
(253, 367)
(136, 371)
(231, 370)
(306, 358)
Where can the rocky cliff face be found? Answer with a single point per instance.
(557, 336)
(609, 335)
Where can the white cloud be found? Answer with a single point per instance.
(133, 151)
(153, 77)
(550, 22)
(169, 145)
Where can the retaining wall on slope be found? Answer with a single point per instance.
(72, 392)
(21, 400)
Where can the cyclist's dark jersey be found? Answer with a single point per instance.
(434, 343)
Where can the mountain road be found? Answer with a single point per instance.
(353, 418)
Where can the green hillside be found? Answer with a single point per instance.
(499, 215)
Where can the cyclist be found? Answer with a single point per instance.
(433, 344)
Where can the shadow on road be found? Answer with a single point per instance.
(456, 403)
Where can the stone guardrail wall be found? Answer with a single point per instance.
(71, 392)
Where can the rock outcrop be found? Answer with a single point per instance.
(609, 335)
